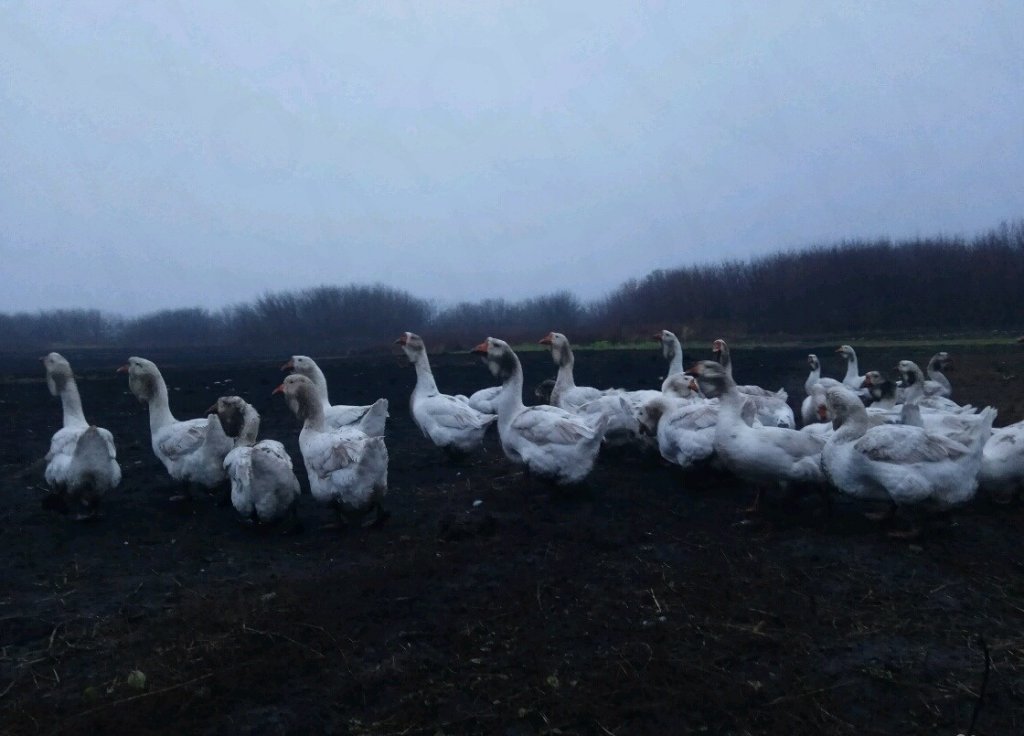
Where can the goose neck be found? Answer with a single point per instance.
(159, 406)
(425, 383)
(676, 358)
(71, 404)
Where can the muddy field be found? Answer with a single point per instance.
(637, 605)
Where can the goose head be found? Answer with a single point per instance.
(301, 364)
(543, 390)
(719, 348)
(680, 385)
(58, 372)
(650, 415)
(499, 357)
(813, 363)
(412, 345)
(668, 342)
(235, 415)
(300, 395)
(143, 378)
(847, 352)
(910, 372)
(711, 376)
(940, 362)
(843, 405)
(561, 353)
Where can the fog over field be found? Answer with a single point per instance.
(168, 155)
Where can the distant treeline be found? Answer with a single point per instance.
(925, 286)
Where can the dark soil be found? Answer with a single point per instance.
(639, 604)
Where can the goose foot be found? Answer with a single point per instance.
(754, 507)
(909, 534)
(381, 516)
(884, 515)
(55, 502)
(184, 496)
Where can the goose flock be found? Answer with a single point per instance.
(903, 444)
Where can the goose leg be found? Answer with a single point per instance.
(380, 516)
(56, 500)
(292, 524)
(339, 523)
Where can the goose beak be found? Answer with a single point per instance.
(694, 386)
(212, 409)
(482, 348)
(123, 369)
(402, 340)
(866, 382)
(822, 412)
(546, 340)
(278, 390)
(657, 337)
(289, 366)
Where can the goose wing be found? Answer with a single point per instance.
(545, 425)
(907, 445)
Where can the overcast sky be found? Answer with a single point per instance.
(168, 154)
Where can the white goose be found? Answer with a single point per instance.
(904, 464)
(192, 451)
(264, 488)
(82, 461)
(771, 406)
(1002, 463)
(369, 419)
(348, 470)
(852, 380)
(762, 456)
(451, 424)
(551, 442)
(809, 408)
(916, 389)
(566, 394)
(619, 407)
(672, 349)
(685, 429)
(939, 363)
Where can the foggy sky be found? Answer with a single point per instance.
(178, 154)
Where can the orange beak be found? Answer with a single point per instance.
(481, 348)
(278, 390)
(866, 382)
(211, 410)
(822, 412)
(694, 386)
(401, 340)
(839, 350)
(123, 369)
(289, 366)
(546, 340)
(656, 337)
